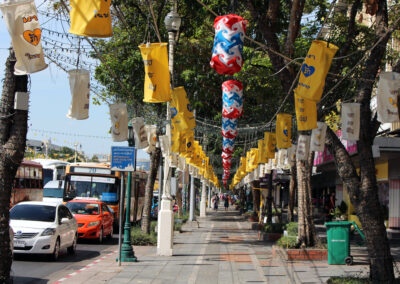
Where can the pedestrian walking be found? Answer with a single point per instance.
(226, 203)
(216, 200)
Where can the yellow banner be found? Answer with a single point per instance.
(156, 81)
(175, 139)
(283, 131)
(181, 114)
(269, 144)
(306, 113)
(314, 70)
(90, 18)
(262, 153)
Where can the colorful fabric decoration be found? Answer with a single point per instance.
(229, 127)
(91, 18)
(303, 147)
(23, 26)
(350, 121)
(232, 98)
(181, 111)
(283, 130)
(228, 44)
(387, 97)
(119, 122)
(317, 143)
(157, 79)
(79, 83)
(314, 70)
(306, 113)
(226, 156)
(139, 133)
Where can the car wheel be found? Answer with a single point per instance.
(72, 248)
(56, 251)
(100, 239)
(111, 233)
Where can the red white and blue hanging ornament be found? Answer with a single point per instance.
(226, 156)
(232, 97)
(228, 44)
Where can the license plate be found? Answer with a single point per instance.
(19, 244)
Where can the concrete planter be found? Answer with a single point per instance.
(301, 254)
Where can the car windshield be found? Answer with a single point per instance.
(30, 212)
(53, 192)
(84, 208)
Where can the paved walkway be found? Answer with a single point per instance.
(222, 250)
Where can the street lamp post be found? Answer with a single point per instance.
(127, 253)
(165, 217)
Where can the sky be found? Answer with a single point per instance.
(49, 103)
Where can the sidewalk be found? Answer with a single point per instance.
(222, 250)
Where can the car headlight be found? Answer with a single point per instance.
(93, 224)
(49, 232)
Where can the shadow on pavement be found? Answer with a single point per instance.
(64, 256)
(27, 280)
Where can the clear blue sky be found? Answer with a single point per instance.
(49, 103)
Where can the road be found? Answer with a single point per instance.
(39, 269)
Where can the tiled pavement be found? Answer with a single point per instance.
(223, 250)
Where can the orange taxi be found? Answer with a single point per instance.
(95, 220)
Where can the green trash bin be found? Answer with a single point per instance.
(339, 242)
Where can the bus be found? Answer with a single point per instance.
(93, 180)
(52, 169)
(28, 183)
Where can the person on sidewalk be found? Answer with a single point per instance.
(216, 200)
(226, 203)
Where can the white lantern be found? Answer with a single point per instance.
(350, 121)
(388, 90)
(303, 147)
(119, 122)
(79, 83)
(317, 143)
(23, 26)
(140, 133)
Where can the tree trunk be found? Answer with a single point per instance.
(306, 229)
(363, 190)
(292, 193)
(256, 198)
(13, 131)
(148, 196)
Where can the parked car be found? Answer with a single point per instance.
(43, 228)
(94, 218)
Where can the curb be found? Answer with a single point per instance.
(90, 265)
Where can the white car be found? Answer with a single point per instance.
(43, 228)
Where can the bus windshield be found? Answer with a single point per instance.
(104, 188)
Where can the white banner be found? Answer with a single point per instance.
(303, 147)
(388, 90)
(119, 122)
(139, 132)
(350, 121)
(318, 137)
(23, 26)
(79, 84)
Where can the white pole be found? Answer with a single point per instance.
(192, 199)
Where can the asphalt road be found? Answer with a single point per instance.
(39, 269)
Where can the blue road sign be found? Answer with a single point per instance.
(122, 159)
